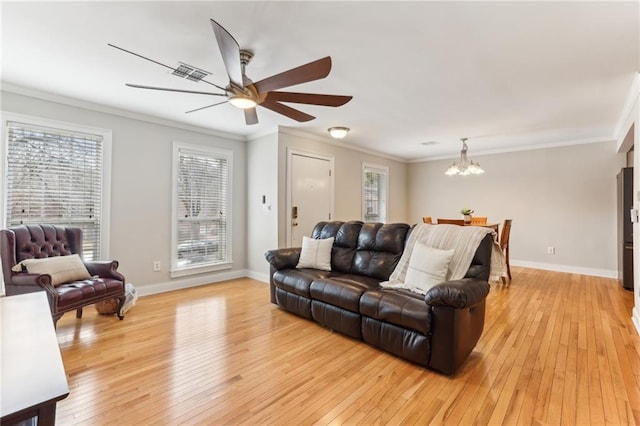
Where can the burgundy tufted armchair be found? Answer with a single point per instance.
(39, 241)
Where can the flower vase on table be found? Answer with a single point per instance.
(466, 214)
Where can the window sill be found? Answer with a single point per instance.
(200, 269)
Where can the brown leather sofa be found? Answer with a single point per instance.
(40, 241)
(438, 330)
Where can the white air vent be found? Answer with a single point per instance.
(189, 72)
(429, 143)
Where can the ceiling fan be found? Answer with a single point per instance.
(243, 93)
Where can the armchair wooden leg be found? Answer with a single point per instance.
(55, 318)
(79, 313)
(119, 309)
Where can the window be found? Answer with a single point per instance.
(55, 176)
(374, 192)
(202, 200)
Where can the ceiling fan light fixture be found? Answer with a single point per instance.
(242, 102)
(338, 132)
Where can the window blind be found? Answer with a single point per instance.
(374, 190)
(55, 176)
(202, 196)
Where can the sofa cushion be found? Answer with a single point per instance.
(315, 253)
(379, 249)
(343, 291)
(400, 307)
(297, 281)
(345, 243)
(70, 294)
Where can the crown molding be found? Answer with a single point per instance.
(626, 116)
(477, 153)
(266, 132)
(74, 102)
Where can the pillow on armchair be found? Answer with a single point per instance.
(63, 269)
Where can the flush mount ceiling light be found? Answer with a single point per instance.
(464, 167)
(338, 132)
(242, 101)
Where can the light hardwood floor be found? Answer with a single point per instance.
(557, 349)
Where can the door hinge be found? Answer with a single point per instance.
(329, 216)
(329, 172)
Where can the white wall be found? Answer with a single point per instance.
(262, 220)
(140, 231)
(636, 226)
(562, 197)
(347, 178)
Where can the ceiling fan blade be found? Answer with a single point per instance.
(230, 51)
(286, 111)
(251, 116)
(140, 86)
(309, 98)
(304, 73)
(205, 107)
(156, 62)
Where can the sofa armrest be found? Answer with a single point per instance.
(458, 294)
(286, 258)
(24, 282)
(104, 269)
(24, 278)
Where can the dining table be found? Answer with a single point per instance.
(494, 226)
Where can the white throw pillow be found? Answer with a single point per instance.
(63, 269)
(316, 254)
(428, 267)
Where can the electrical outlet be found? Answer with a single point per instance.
(551, 250)
(156, 266)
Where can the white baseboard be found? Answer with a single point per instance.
(258, 276)
(606, 273)
(177, 284)
(635, 318)
(182, 283)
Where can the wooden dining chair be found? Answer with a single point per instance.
(478, 220)
(427, 219)
(451, 222)
(504, 245)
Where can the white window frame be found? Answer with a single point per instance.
(383, 170)
(208, 267)
(106, 135)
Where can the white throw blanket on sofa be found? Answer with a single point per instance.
(463, 239)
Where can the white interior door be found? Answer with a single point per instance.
(311, 199)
